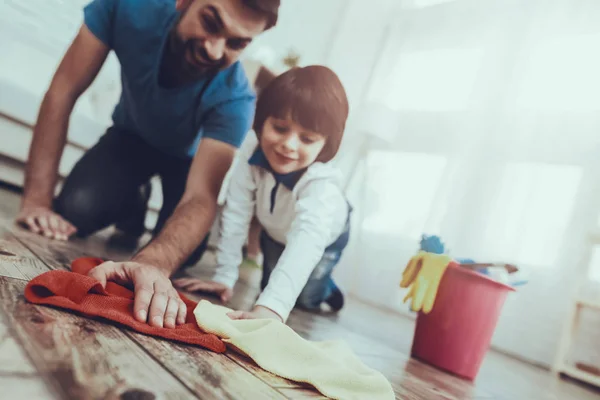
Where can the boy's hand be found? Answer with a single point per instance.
(206, 286)
(258, 312)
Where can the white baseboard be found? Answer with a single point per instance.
(11, 172)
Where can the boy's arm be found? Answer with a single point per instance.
(234, 224)
(235, 221)
(317, 209)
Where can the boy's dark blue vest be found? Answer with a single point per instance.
(290, 180)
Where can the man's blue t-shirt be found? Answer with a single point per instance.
(172, 120)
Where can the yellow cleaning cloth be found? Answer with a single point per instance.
(330, 366)
(423, 274)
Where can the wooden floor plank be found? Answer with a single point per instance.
(16, 261)
(373, 330)
(55, 254)
(60, 254)
(209, 375)
(413, 379)
(19, 379)
(299, 393)
(83, 358)
(410, 378)
(267, 377)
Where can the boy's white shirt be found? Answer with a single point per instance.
(306, 220)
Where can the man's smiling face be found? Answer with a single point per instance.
(211, 34)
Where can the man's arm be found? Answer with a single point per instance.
(77, 70)
(195, 213)
(234, 222)
(156, 300)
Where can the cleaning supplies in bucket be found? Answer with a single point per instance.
(506, 273)
(423, 274)
(458, 304)
(456, 334)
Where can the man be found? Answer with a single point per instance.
(185, 107)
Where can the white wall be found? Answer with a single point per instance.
(307, 27)
(33, 37)
(343, 34)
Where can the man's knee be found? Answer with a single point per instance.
(81, 206)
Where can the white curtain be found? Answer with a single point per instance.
(482, 124)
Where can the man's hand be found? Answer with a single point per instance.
(45, 222)
(156, 301)
(199, 285)
(258, 312)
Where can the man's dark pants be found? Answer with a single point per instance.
(110, 185)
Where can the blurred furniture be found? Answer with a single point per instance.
(561, 364)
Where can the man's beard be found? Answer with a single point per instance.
(176, 61)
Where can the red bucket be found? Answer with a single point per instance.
(456, 334)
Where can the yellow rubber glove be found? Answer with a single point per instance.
(423, 274)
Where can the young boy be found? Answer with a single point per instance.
(296, 195)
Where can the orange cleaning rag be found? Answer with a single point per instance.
(78, 292)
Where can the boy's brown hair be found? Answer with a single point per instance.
(312, 97)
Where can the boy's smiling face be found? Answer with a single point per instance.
(288, 146)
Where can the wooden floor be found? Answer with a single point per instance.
(47, 353)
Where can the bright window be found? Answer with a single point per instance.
(427, 3)
(528, 220)
(436, 80)
(401, 190)
(594, 271)
(563, 75)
